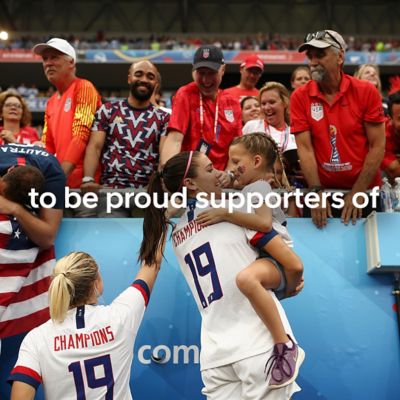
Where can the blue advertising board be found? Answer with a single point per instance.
(230, 56)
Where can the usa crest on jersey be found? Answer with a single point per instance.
(67, 105)
(317, 111)
(229, 115)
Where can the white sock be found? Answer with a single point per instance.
(289, 344)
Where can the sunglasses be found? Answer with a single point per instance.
(320, 35)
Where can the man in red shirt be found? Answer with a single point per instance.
(338, 121)
(251, 70)
(204, 117)
(70, 111)
(391, 161)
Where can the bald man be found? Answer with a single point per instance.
(126, 138)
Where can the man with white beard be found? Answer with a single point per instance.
(338, 122)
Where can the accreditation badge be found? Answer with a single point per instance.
(229, 115)
(204, 147)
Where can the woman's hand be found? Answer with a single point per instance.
(224, 179)
(8, 136)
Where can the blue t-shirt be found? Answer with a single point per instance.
(16, 154)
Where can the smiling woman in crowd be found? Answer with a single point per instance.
(274, 103)
(250, 109)
(16, 118)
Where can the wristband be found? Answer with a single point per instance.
(87, 179)
(315, 189)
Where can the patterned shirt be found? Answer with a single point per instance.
(24, 280)
(131, 149)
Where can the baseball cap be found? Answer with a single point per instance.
(323, 40)
(208, 56)
(253, 61)
(59, 44)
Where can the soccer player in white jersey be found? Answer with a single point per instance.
(235, 344)
(84, 351)
(252, 158)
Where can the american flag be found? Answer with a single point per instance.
(25, 272)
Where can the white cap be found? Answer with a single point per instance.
(323, 40)
(59, 44)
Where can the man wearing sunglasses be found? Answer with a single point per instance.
(338, 121)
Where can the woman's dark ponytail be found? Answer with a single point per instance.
(168, 180)
(155, 225)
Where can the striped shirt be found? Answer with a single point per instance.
(24, 280)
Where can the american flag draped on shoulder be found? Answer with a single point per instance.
(24, 280)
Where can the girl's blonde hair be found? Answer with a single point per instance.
(259, 143)
(360, 70)
(283, 94)
(73, 283)
(284, 184)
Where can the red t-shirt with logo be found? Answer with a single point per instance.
(337, 130)
(26, 135)
(185, 118)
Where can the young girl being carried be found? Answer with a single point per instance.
(252, 158)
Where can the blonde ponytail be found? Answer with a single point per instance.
(73, 283)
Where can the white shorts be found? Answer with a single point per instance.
(243, 380)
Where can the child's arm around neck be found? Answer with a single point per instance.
(260, 221)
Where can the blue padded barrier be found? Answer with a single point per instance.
(344, 318)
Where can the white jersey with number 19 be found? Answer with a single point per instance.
(88, 355)
(210, 258)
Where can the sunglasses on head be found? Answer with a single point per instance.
(321, 35)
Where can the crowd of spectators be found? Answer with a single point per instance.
(267, 110)
(255, 42)
(31, 92)
(119, 145)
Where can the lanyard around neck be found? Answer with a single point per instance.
(282, 143)
(215, 135)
